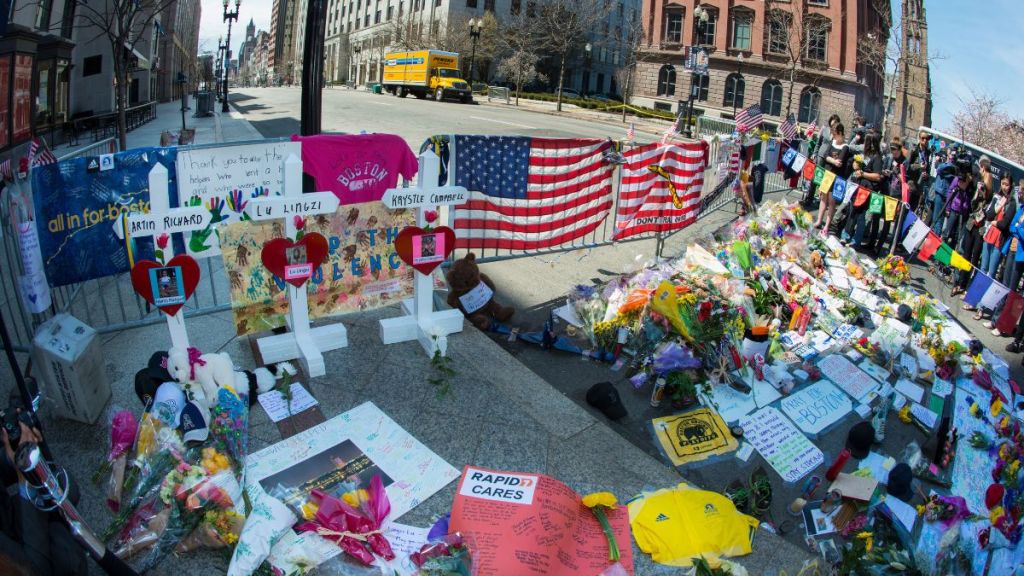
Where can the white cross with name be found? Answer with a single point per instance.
(162, 219)
(302, 342)
(431, 328)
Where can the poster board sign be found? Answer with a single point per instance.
(5, 99)
(224, 179)
(779, 442)
(532, 524)
(847, 376)
(816, 407)
(362, 271)
(347, 450)
(21, 120)
(693, 436)
(75, 210)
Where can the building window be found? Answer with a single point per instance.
(67, 20)
(810, 103)
(777, 40)
(742, 22)
(437, 3)
(391, 11)
(735, 86)
(673, 26)
(771, 98)
(705, 31)
(470, 3)
(43, 15)
(667, 80)
(699, 86)
(489, 5)
(92, 65)
(514, 7)
(817, 39)
(376, 17)
(366, 20)
(818, 2)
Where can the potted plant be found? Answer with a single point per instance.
(681, 387)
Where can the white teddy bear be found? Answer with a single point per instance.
(202, 375)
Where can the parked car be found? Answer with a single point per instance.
(568, 93)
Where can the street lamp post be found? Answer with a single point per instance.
(475, 26)
(585, 86)
(229, 17)
(736, 82)
(182, 83)
(220, 75)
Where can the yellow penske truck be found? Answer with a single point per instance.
(425, 73)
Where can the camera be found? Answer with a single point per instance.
(11, 419)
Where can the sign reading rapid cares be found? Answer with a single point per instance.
(498, 486)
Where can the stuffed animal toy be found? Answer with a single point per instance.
(204, 374)
(472, 292)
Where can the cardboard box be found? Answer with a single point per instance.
(67, 360)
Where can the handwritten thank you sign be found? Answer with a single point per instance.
(779, 442)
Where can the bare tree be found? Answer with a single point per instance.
(983, 122)
(792, 37)
(405, 33)
(630, 36)
(124, 24)
(562, 27)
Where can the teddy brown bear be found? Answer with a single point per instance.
(472, 292)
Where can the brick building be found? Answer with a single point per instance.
(800, 56)
(178, 49)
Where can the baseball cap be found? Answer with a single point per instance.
(860, 439)
(194, 423)
(605, 398)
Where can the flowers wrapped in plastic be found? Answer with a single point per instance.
(181, 497)
(357, 531)
(449, 556)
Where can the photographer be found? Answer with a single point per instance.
(918, 167)
(37, 542)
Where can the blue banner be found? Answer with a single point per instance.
(77, 202)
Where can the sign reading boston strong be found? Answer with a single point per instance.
(362, 271)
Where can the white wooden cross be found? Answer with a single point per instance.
(421, 322)
(302, 341)
(162, 219)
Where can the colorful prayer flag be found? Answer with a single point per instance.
(944, 254)
(890, 208)
(908, 221)
(876, 203)
(1007, 322)
(959, 262)
(977, 289)
(819, 173)
(918, 232)
(809, 169)
(929, 246)
(839, 190)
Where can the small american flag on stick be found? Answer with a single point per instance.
(788, 128)
(631, 133)
(750, 117)
(39, 153)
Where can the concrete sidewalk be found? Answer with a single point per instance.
(500, 414)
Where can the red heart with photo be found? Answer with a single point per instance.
(425, 250)
(280, 253)
(153, 280)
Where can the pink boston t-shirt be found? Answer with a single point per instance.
(356, 167)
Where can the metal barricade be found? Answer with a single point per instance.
(498, 93)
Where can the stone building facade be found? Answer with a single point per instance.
(802, 57)
(911, 91)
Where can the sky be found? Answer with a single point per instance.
(212, 25)
(975, 45)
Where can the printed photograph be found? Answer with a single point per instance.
(295, 255)
(167, 285)
(428, 248)
(339, 469)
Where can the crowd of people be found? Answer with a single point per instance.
(977, 213)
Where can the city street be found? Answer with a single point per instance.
(275, 113)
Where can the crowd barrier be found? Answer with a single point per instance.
(110, 304)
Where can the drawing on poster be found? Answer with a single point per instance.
(779, 442)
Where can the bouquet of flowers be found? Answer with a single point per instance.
(590, 308)
(894, 270)
(354, 522)
(178, 497)
(450, 556)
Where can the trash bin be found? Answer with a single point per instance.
(204, 104)
(68, 359)
(376, 88)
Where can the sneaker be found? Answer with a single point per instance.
(1013, 347)
(997, 332)
(990, 324)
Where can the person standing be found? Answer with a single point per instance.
(1013, 255)
(892, 186)
(970, 239)
(867, 175)
(918, 167)
(998, 213)
(835, 162)
(820, 152)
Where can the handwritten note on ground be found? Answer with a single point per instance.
(847, 376)
(277, 407)
(817, 406)
(779, 442)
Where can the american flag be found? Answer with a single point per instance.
(39, 153)
(530, 193)
(751, 116)
(673, 129)
(788, 128)
(660, 188)
(5, 171)
(631, 133)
